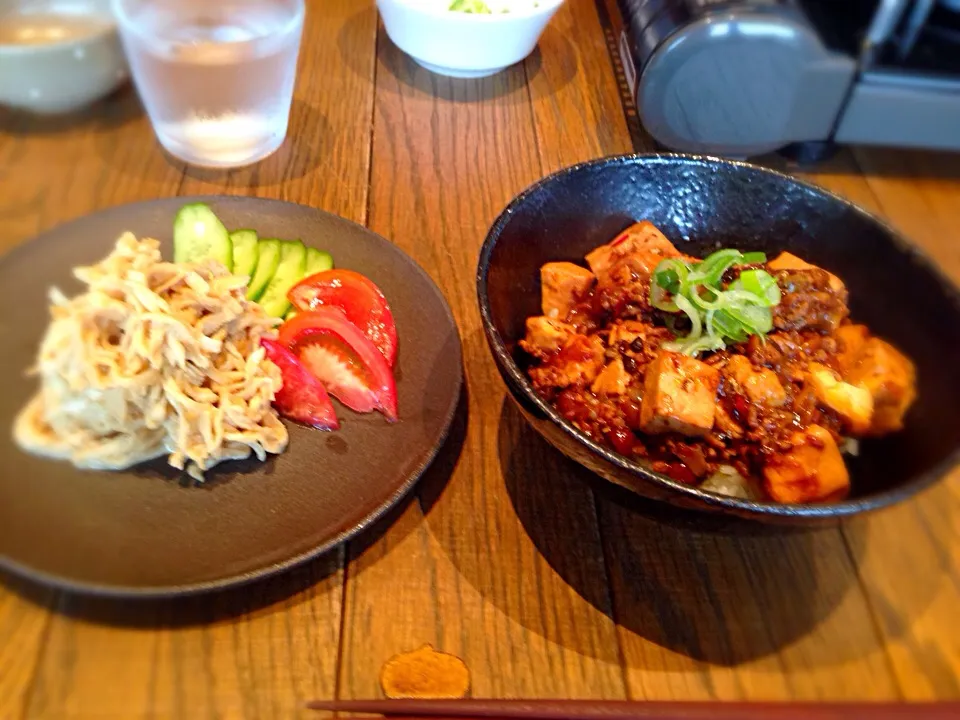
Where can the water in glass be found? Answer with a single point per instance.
(216, 77)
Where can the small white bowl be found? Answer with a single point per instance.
(58, 56)
(461, 44)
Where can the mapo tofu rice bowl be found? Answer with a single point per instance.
(723, 337)
(736, 374)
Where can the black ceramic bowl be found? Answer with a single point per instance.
(701, 204)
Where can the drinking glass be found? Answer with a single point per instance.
(216, 76)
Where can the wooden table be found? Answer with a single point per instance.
(505, 557)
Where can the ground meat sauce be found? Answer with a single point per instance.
(773, 411)
(744, 432)
(809, 301)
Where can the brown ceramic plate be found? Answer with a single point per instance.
(145, 531)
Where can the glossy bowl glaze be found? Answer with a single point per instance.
(58, 56)
(703, 203)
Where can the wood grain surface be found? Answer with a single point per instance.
(507, 556)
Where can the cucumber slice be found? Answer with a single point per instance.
(245, 252)
(293, 264)
(199, 235)
(318, 261)
(267, 263)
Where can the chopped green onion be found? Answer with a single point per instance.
(754, 258)
(660, 299)
(759, 283)
(670, 274)
(755, 319)
(704, 344)
(717, 315)
(713, 268)
(470, 6)
(736, 296)
(705, 298)
(725, 325)
(696, 327)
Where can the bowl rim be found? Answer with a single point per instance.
(545, 7)
(127, 27)
(518, 382)
(108, 28)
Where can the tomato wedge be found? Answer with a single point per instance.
(343, 358)
(302, 397)
(359, 299)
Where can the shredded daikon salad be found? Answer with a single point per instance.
(154, 359)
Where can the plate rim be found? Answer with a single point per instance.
(113, 591)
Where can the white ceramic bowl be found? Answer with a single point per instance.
(464, 44)
(58, 56)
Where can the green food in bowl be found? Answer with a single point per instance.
(481, 7)
(470, 6)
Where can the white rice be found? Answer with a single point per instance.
(727, 481)
(850, 446)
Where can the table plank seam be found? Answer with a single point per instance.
(344, 579)
(365, 221)
(180, 183)
(781, 661)
(605, 23)
(885, 214)
(533, 117)
(631, 115)
(152, 693)
(608, 590)
(942, 560)
(875, 196)
(28, 695)
(608, 574)
(874, 619)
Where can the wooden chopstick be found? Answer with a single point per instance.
(615, 709)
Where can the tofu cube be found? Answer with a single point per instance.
(612, 380)
(562, 285)
(545, 337)
(578, 363)
(811, 471)
(890, 378)
(850, 339)
(853, 404)
(642, 240)
(760, 385)
(789, 261)
(626, 331)
(680, 395)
